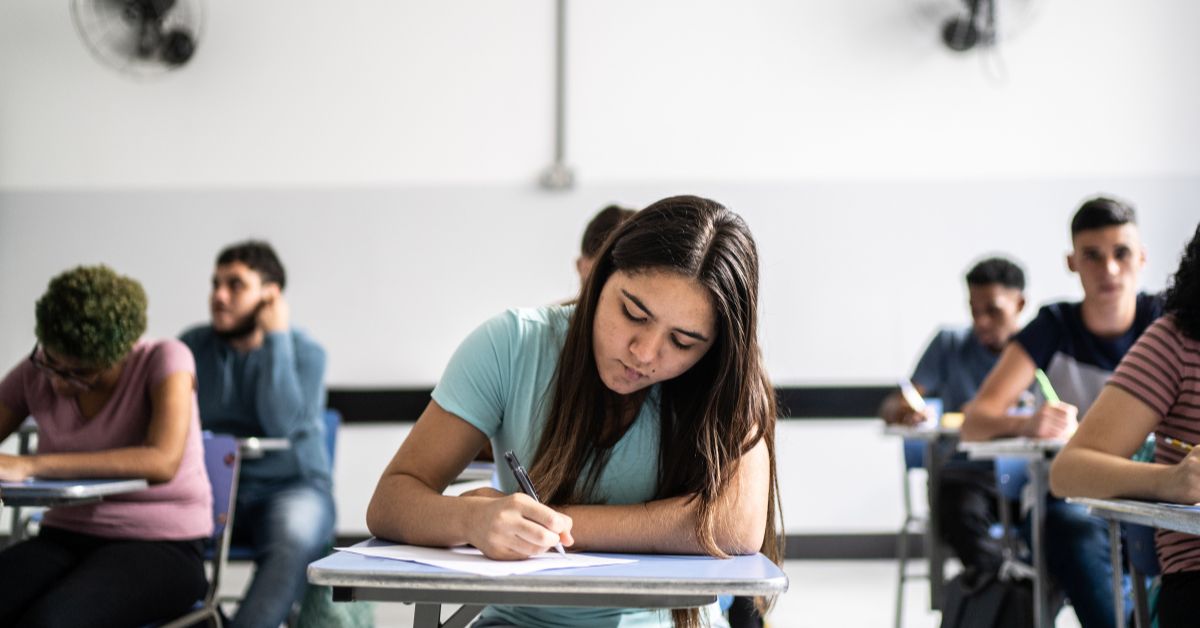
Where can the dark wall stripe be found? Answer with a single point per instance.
(404, 405)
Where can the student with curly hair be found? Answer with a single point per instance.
(107, 404)
(1156, 388)
(643, 411)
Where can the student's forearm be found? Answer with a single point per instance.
(1079, 472)
(405, 510)
(981, 425)
(150, 463)
(666, 526)
(289, 388)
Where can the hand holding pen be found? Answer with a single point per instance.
(1182, 485)
(513, 526)
(526, 485)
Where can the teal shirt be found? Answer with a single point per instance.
(500, 380)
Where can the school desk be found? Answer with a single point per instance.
(1038, 452)
(654, 581)
(939, 444)
(1181, 518)
(254, 447)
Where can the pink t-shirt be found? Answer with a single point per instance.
(175, 510)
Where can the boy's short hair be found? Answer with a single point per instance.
(997, 270)
(259, 257)
(600, 226)
(1100, 212)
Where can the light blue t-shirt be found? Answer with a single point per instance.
(501, 380)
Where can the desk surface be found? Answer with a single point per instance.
(654, 581)
(1015, 447)
(920, 433)
(1179, 517)
(41, 492)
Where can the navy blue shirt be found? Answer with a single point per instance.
(1077, 361)
(953, 367)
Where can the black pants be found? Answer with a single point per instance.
(967, 508)
(1177, 600)
(63, 578)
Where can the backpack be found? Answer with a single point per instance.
(985, 600)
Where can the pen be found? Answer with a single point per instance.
(1178, 444)
(1047, 389)
(526, 485)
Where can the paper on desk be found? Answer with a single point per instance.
(472, 560)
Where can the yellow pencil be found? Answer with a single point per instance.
(1178, 444)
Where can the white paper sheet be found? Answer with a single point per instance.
(472, 560)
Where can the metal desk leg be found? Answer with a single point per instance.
(933, 534)
(1037, 478)
(430, 616)
(1114, 550)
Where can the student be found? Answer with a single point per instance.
(643, 413)
(259, 376)
(597, 231)
(952, 368)
(107, 405)
(1155, 388)
(1078, 345)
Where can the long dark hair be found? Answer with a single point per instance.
(710, 415)
(1183, 297)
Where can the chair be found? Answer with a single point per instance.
(914, 460)
(222, 459)
(331, 421)
(1143, 564)
(1012, 475)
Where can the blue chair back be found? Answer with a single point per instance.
(333, 420)
(222, 460)
(1139, 543)
(914, 454)
(1011, 476)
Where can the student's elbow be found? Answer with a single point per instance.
(1060, 475)
(744, 543)
(163, 467)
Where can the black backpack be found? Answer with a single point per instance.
(985, 600)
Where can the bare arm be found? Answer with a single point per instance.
(408, 506)
(668, 526)
(156, 460)
(1095, 463)
(987, 414)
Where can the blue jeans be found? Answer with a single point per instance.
(289, 525)
(1077, 557)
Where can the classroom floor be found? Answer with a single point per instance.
(848, 594)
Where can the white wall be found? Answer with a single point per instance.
(390, 150)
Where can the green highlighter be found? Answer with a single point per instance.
(1044, 384)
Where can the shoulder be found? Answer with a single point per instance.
(1149, 307)
(163, 356)
(531, 325)
(197, 336)
(951, 337)
(305, 343)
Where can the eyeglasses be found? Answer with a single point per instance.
(83, 378)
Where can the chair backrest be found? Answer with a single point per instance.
(222, 460)
(1012, 474)
(333, 420)
(1139, 544)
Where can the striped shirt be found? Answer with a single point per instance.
(1163, 371)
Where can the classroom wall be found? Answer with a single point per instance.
(390, 150)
